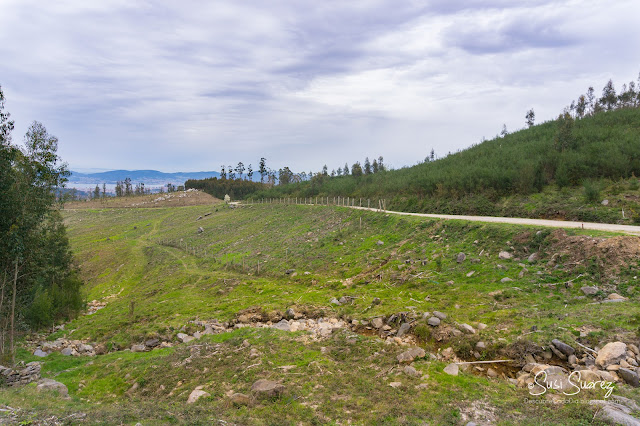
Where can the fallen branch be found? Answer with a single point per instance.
(586, 347)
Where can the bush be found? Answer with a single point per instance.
(591, 191)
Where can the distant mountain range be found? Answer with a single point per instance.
(148, 177)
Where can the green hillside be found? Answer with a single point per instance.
(157, 274)
(562, 168)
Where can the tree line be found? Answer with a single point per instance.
(39, 284)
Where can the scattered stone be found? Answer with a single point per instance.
(152, 343)
(290, 313)
(492, 373)
(239, 399)
(469, 274)
(377, 322)
(254, 353)
(267, 388)
(461, 257)
(411, 371)
(375, 301)
(404, 328)
(200, 229)
(40, 353)
(452, 369)
(52, 385)
(184, 338)
(380, 243)
(522, 272)
(616, 296)
(395, 385)
(343, 300)
(533, 258)
(630, 377)
(196, 394)
(282, 325)
(611, 353)
(335, 301)
(440, 315)
(409, 356)
(481, 346)
(100, 349)
(589, 290)
(67, 351)
(138, 348)
(506, 280)
(605, 202)
(481, 326)
(504, 255)
(467, 328)
(289, 271)
(615, 413)
(433, 321)
(563, 347)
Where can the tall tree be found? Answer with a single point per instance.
(249, 171)
(325, 170)
(262, 169)
(367, 166)
(96, 192)
(223, 172)
(240, 169)
(591, 96)
(530, 117)
(609, 98)
(381, 164)
(345, 170)
(356, 169)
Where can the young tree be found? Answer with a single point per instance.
(581, 106)
(325, 170)
(285, 176)
(263, 169)
(231, 174)
(530, 118)
(374, 166)
(119, 191)
(345, 170)
(223, 172)
(128, 187)
(104, 190)
(367, 166)
(96, 192)
(339, 171)
(432, 155)
(563, 139)
(504, 131)
(249, 172)
(381, 164)
(591, 100)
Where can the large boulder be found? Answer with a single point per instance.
(611, 353)
(196, 394)
(409, 356)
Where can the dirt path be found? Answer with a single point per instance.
(626, 229)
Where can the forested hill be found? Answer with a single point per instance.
(567, 154)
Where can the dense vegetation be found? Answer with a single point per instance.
(38, 283)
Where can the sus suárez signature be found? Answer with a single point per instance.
(540, 384)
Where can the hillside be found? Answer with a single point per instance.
(557, 169)
(149, 177)
(222, 279)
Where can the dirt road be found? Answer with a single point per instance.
(626, 229)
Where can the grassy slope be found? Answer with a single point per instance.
(517, 175)
(128, 254)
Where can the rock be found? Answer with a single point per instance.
(85, 348)
(335, 301)
(290, 313)
(282, 325)
(100, 349)
(267, 388)
(343, 300)
(629, 376)
(409, 356)
(380, 243)
(254, 353)
(616, 296)
(614, 413)
(411, 371)
(67, 351)
(523, 272)
(184, 338)
(395, 385)
(377, 322)
(467, 328)
(589, 290)
(433, 321)
(611, 353)
(481, 346)
(452, 369)
(506, 280)
(404, 328)
(138, 348)
(504, 255)
(52, 385)
(439, 315)
(492, 373)
(196, 394)
(587, 376)
(572, 360)
(469, 274)
(563, 347)
(152, 343)
(200, 229)
(461, 257)
(533, 258)
(605, 202)
(289, 271)
(239, 399)
(481, 326)
(375, 301)
(40, 353)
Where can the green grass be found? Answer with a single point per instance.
(173, 274)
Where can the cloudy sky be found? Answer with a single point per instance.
(190, 85)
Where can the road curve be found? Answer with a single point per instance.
(610, 227)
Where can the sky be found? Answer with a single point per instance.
(191, 85)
